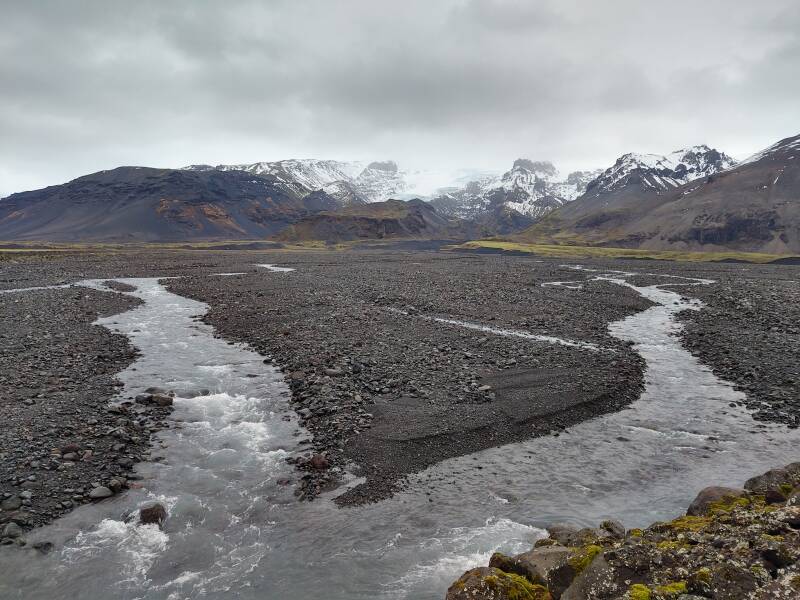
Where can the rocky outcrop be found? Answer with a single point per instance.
(732, 544)
(393, 219)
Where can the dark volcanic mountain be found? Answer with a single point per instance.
(754, 206)
(144, 204)
(393, 219)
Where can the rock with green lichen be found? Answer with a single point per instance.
(738, 544)
(493, 584)
(710, 495)
(774, 478)
(638, 591)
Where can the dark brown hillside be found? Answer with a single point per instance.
(753, 207)
(144, 204)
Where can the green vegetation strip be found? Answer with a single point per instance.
(603, 252)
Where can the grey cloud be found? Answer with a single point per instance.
(88, 85)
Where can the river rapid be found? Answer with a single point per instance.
(234, 531)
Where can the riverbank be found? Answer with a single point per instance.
(398, 363)
(61, 444)
(396, 360)
(732, 544)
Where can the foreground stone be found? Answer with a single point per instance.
(154, 514)
(732, 544)
(494, 584)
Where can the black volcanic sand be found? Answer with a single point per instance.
(384, 393)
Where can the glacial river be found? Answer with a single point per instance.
(235, 532)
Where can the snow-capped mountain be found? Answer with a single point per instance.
(351, 182)
(661, 173)
(640, 203)
(531, 188)
(380, 181)
(787, 148)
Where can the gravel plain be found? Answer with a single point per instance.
(384, 387)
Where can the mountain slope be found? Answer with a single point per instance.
(530, 188)
(349, 182)
(754, 206)
(144, 204)
(393, 219)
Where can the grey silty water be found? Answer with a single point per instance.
(233, 531)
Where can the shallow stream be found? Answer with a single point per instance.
(235, 532)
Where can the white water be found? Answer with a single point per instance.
(547, 339)
(234, 532)
(276, 268)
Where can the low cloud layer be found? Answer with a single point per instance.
(470, 83)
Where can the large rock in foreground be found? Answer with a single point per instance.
(494, 584)
(732, 544)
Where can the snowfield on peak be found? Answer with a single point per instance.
(662, 172)
(531, 188)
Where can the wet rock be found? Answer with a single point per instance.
(43, 547)
(153, 514)
(319, 462)
(711, 495)
(100, 492)
(161, 400)
(493, 584)
(12, 530)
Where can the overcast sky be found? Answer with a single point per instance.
(86, 86)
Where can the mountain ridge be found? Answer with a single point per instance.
(753, 206)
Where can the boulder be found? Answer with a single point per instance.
(774, 496)
(711, 495)
(732, 581)
(43, 547)
(12, 503)
(561, 532)
(486, 583)
(162, 400)
(510, 564)
(153, 514)
(598, 580)
(12, 530)
(614, 528)
(774, 478)
(100, 492)
(538, 564)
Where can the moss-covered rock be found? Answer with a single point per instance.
(638, 591)
(493, 584)
(739, 545)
